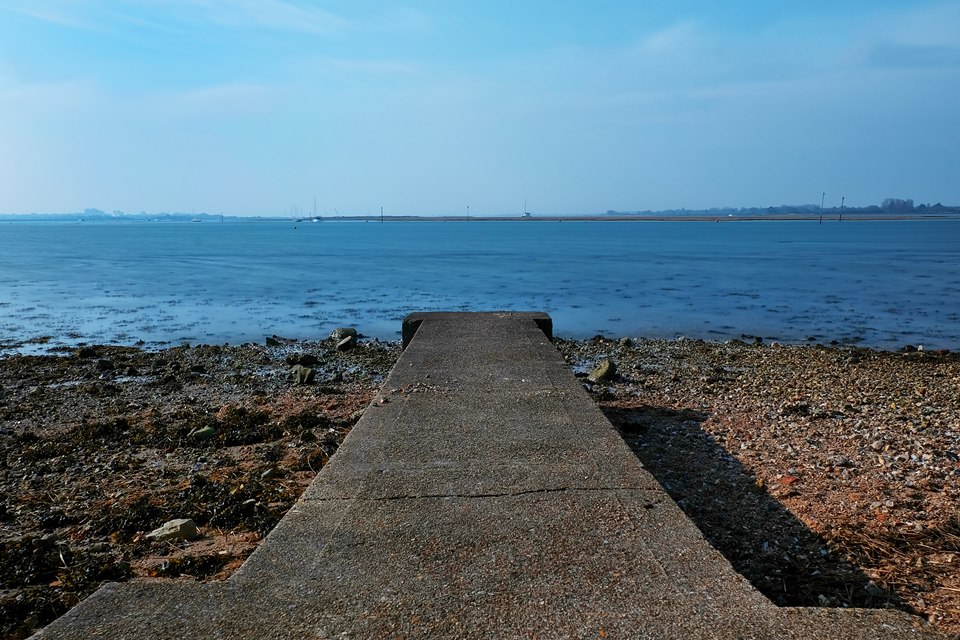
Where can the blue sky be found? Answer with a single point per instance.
(250, 107)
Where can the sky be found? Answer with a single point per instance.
(256, 107)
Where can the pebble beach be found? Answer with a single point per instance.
(827, 475)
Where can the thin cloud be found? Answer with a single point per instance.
(904, 56)
(60, 13)
(215, 100)
(403, 20)
(269, 15)
(274, 15)
(679, 38)
(36, 99)
(361, 66)
(921, 38)
(934, 25)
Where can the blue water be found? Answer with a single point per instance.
(876, 283)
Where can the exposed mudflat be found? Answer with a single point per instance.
(828, 476)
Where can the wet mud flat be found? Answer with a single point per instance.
(828, 476)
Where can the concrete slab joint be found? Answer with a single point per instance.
(496, 502)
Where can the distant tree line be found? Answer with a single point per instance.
(896, 204)
(890, 205)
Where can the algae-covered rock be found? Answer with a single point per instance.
(340, 333)
(603, 371)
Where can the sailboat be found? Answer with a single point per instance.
(526, 214)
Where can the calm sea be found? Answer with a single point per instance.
(876, 283)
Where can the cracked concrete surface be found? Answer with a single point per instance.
(477, 496)
(493, 501)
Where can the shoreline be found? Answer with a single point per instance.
(825, 474)
(46, 345)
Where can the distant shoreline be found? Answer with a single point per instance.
(652, 218)
(774, 217)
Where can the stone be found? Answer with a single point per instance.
(304, 359)
(87, 352)
(273, 342)
(175, 531)
(104, 365)
(300, 374)
(840, 461)
(347, 343)
(340, 333)
(603, 371)
(204, 433)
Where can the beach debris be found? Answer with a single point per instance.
(603, 372)
(203, 433)
(300, 374)
(347, 343)
(176, 530)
